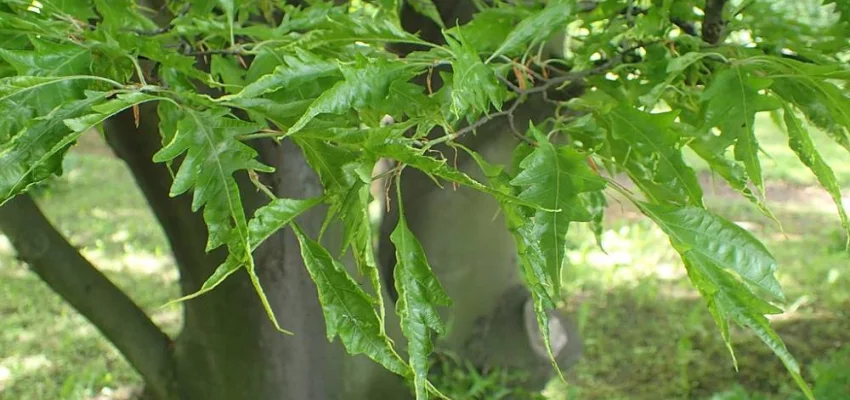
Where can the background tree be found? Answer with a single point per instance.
(273, 113)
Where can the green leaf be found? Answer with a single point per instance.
(531, 259)
(811, 90)
(366, 82)
(712, 149)
(649, 150)
(23, 98)
(716, 253)
(802, 145)
(731, 103)
(427, 9)
(36, 151)
(554, 178)
(419, 292)
(474, 85)
(296, 70)
(347, 308)
(213, 155)
(122, 14)
(104, 111)
(490, 27)
(706, 238)
(267, 220)
(537, 27)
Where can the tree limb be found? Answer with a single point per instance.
(712, 23)
(91, 293)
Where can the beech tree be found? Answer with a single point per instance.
(257, 131)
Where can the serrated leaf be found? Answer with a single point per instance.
(717, 253)
(419, 293)
(809, 88)
(706, 238)
(537, 27)
(31, 155)
(366, 82)
(347, 308)
(474, 85)
(213, 155)
(731, 102)
(295, 70)
(649, 150)
(554, 178)
(267, 220)
(802, 145)
(532, 260)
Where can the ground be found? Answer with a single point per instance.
(647, 333)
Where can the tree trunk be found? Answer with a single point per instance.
(228, 349)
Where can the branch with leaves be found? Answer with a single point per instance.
(324, 79)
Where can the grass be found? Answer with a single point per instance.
(647, 333)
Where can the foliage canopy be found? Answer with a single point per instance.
(653, 77)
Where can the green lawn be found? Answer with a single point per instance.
(647, 333)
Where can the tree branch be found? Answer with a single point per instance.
(91, 293)
(712, 23)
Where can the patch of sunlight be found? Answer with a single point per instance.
(5, 377)
(6, 245)
(137, 262)
(628, 254)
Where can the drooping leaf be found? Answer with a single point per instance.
(731, 103)
(267, 220)
(717, 253)
(347, 308)
(554, 178)
(419, 293)
(650, 152)
(706, 238)
(532, 260)
(802, 145)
